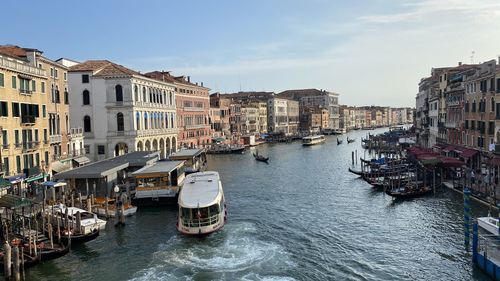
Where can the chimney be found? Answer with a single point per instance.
(459, 63)
(189, 79)
(498, 63)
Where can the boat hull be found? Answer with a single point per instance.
(489, 224)
(155, 201)
(80, 238)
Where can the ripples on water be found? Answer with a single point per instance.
(301, 217)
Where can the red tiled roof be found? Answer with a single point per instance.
(13, 51)
(103, 68)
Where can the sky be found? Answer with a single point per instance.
(371, 52)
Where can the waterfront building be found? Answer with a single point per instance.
(23, 107)
(121, 110)
(317, 98)
(192, 105)
(314, 119)
(480, 106)
(347, 120)
(360, 121)
(277, 115)
(250, 120)
(219, 116)
(293, 117)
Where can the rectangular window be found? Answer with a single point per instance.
(65, 76)
(5, 140)
(18, 164)
(45, 138)
(36, 135)
(87, 149)
(2, 80)
(14, 82)
(15, 109)
(46, 157)
(85, 78)
(42, 86)
(498, 85)
(6, 165)
(33, 85)
(55, 73)
(51, 72)
(4, 111)
(101, 149)
(16, 137)
(44, 110)
(37, 159)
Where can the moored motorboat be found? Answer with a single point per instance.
(226, 149)
(312, 140)
(409, 191)
(489, 224)
(202, 207)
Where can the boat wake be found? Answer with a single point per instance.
(233, 253)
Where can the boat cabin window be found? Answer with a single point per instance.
(202, 213)
(174, 175)
(152, 182)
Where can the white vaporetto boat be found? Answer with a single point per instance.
(312, 140)
(489, 224)
(202, 208)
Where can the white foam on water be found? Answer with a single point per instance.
(235, 248)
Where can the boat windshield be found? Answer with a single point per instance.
(195, 217)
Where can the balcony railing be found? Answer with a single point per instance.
(200, 126)
(14, 65)
(31, 145)
(76, 132)
(189, 108)
(25, 92)
(55, 139)
(28, 119)
(5, 146)
(156, 132)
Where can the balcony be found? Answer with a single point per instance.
(76, 132)
(155, 132)
(14, 65)
(5, 146)
(55, 139)
(28, 120)
(189, 108)
(25, 92)
(200, 126)
(30, 146)
(451, 124)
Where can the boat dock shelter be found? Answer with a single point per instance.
(99, 178)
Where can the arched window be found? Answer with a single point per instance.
(119, 122)
(86, 97)
(172, 122)
(162, 94)
(171, 97)
(138, 121)
(119, 92)
(145, 121)
(166, 120)
(87, 127)
(492, 109)
(150, 95)
(144, 95)
(136, 93)
(66, 96)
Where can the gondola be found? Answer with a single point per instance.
(78, 238)
(44, 247)
(339, 141)
(350, 140)
(409, 192)
(359, 173)
(260, 158)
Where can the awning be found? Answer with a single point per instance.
(449, 148)
(59, 167)
(34, 178)
(16, 178)
(4, 182)
(466, 152)
(495, 161)
(81, 160)
(53, 184)
(12, 201)
(218, 139)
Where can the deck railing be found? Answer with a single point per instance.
(201, 222)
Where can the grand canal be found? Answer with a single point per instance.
(300, 217)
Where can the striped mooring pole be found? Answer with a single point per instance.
(467, 216)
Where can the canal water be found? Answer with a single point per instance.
(300, 217)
